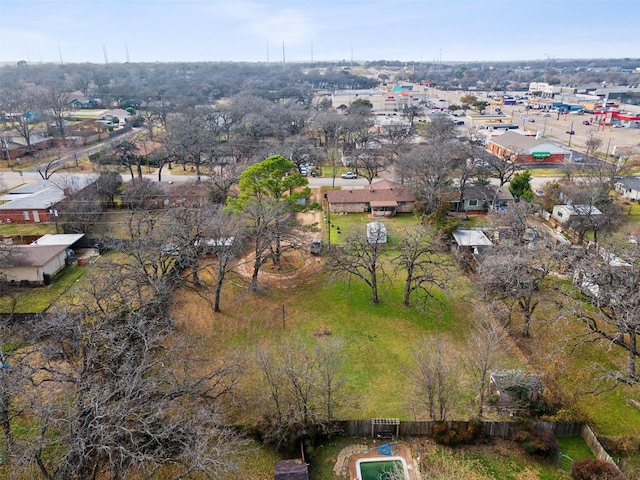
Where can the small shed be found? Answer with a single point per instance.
(376, 232)
(515, 386)
(294, 469)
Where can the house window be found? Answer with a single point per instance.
(25, 214)
(473, 203)
(559, 213)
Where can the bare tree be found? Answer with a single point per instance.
(13, 383)
(360, 257)
(487, 344)
(63, 160)
(610, 277)
(418, 257)
(503, 168)
(592, 144)
(26, 106)
(305, 387)
(434, 377)
(513, 221)
(272, 226)
(428, 169)
(514, 276)
(121, 395)
(57, 108)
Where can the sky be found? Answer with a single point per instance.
(99, 31)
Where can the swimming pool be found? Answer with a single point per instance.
(381, 468)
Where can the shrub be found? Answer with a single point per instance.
(589, 469)
(457, 433)
(540, 442)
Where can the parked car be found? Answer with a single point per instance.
(349, 175)
(579, 160)
(316, 246)
(538, 192)
(458, 122)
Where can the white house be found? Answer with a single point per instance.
(564, 214)
(629, 187)
(33, 263)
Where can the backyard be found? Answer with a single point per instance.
(379, 343)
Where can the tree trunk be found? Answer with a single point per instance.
(219, 283)
(633, 353)
(374, 289)
(4, 420)
(527, 323)
(407, 289)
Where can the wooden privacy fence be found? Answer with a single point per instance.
(505, 430)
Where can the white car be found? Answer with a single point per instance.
(349, 175)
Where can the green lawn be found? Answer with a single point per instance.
(38, 299)
(27, 229)
(575, 447)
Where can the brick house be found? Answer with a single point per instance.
(382, 199)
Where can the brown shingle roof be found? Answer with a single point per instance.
(382, 191)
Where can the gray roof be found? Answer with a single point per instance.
(31, 255)
(630, 183)
(41, 200)
(487, 192)
(471, 238)
(43, 194)
(521, 143)
(31, 188)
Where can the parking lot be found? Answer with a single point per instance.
(552, 125)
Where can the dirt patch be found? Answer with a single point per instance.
(295, 265)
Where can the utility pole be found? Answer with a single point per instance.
(570, 132)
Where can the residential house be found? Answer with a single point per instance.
(482, 198)
(629, 187)
(78, 102)
(36, 263)
(382, 199)
(526, 150)
(39, 202)
(14, 145)
(564, 214)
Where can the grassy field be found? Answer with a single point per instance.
(380, 340)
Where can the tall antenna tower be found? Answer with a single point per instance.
(283, 59)
(126, 51)
(104, 51)
(311, 52)
(267, 52)
(60, 53)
